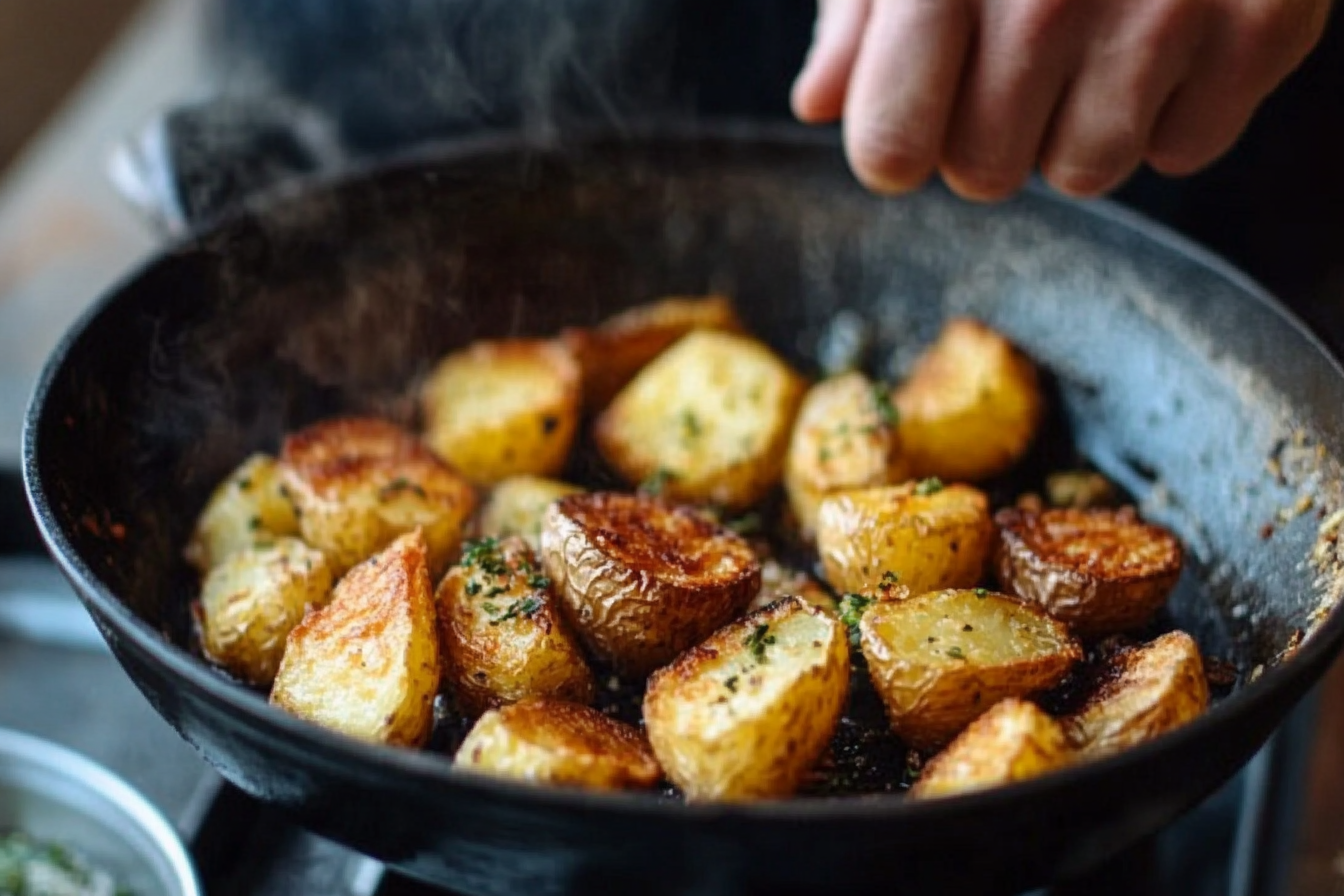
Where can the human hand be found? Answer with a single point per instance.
(983, 91)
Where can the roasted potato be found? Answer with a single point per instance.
(1101, 571)
(1013, 741)
(253, 598)
(516, 507)
(937, 660)
(929, 535)
(970, 407)
(501, 409)
(367, 664)
(1143, 691)
(746, 714)
(845, 437)
(711, 416)
(553, 742)
(780, 581)
(642, 580)
(615, 350)
(250, 505)
(502, 633)
(358, 483)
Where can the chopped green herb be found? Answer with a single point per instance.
(496, 591)
(657, 482)
(852, 607)
(537, 580)
(490, 608)
(747, 524)
(690, 423)
(400, 484)
(731, 683)
(968, 627)
(931, 486)
(485, 556)
(758, 640)
(823, 455)
(525, 607)
(472, 588)
(886, 411)
(245, 483)
(981, 593)
(254, 524)
(955, 653)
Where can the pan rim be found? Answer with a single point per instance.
(355, 759)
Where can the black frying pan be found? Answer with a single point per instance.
(1175, 375)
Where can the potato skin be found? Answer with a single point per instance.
(712, 414)
(1013, 741)
(253, 599)
(517, 505)
(502, 633)
(642, 580)
(971, 406)
(545, 741)
(501, 409)
(845, 437)
(938, 659)
(746, 714)
(1100, 571)
(611, 353)
(367, 664)
(1143, 691)
(930, 541)
(251, 504)
(361, 482)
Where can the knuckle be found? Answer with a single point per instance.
(984, 180)
(888, 157)
(1040, 19)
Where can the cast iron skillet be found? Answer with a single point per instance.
(1174, 374)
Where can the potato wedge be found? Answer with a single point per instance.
(711, 416)
(1013, 741)
(615, 350)
(1101, 571)
(970, 407)
(502, 633)
(501, 409)
(250, 505)
(516, 507)
(845, 437)
(565, 744)
(937, 660)
(367, 664)
(358, 483)
(930, 536)
(779, 581)
(253, 599)
(1144, 691)
(642, 580)
(746, 714)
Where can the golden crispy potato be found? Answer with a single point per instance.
(251, 601)
(358, 483)
(552, 742)
(1101, 571)
(845, 437)
(250, 505)
(615, 350)
(929, 535)
(971, 406)
(746, 714)
(711, 416)
(367, 664)
(779, 581)
(502, 634)
(1144, 691)
(1013, 741)
(501, 409)
(939, 659)
(642, 580)
(516, 507)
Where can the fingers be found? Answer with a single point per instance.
(902, 89)
(819, 91)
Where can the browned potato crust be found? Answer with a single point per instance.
(367, 664)
(615, 350)
(642, 580)
(1013, 741)
(501, 409)
(929, 536)
(1144, 691)
(939, 659)
(502, 634)
(552, 742)
(1101, 571)
(971, 406)
(747, 713)
(358, 483)
(779, 581)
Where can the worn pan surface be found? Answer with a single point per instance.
(1175, 374)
